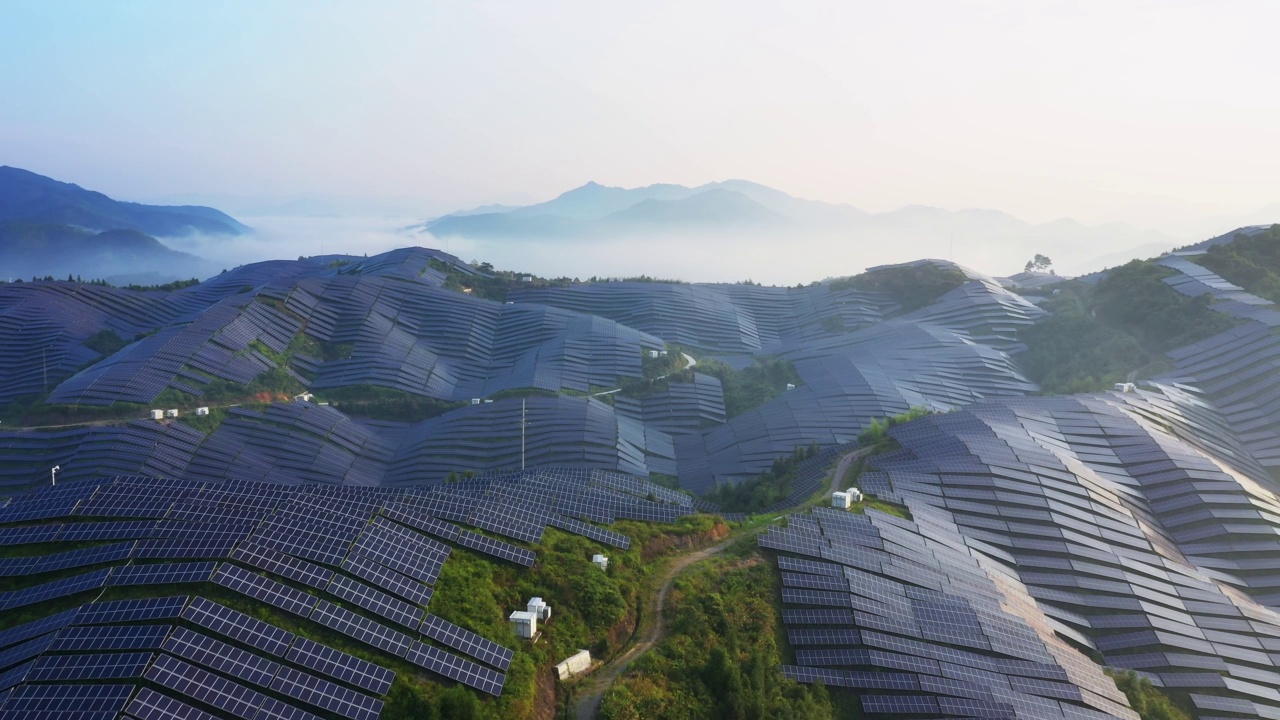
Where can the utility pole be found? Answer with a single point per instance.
(53, 474)
(522, 426)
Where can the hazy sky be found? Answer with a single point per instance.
(1145, 111)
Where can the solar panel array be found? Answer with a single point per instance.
(360, 561)
(1132, 525)
(720, 318)
(848, 380)
(408, 333)
(1236, 370)
(299, 442)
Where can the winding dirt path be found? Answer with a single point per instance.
(590, 691)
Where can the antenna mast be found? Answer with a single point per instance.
(522, 426)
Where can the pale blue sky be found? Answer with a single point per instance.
(1132, 110)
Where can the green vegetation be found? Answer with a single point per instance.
(275, 384)
(661, 366)
(495, 284)
(1147, 700)
(910, 286)
(170, 286)
(766, 488)
(876, 434)
(592, 609)
(637, 278)
(1250, 261)
(106, 342)
(750, 387)
(722, 656)
(1039, 263)
(205, 423)
(381, 403)
(1096, 335)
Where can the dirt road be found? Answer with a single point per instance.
(591, 690)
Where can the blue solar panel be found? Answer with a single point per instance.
(217, 655)
(326, 695)
(151, 705)
(83, 638)
(456, 668)
(361, 628)
(83, 702)
(187, 680)
(264, 589)
(26, 631)
(111, 666)
(341, 666)
(237, 626)
(480, 648)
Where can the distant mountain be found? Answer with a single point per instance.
(39, 249)
(994, 241)
(712, 208)
(577, 214)
(29, 197)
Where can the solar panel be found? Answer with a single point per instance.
(496, 548)
(418, 557)
(190, 681)
(11, 677)
(181, 548)
(122, 530)
(151, 705)
(324, 694)
(480, 648)
(387, 579)
(125, 611)
(26, 631)
(455, 668)
(217, 655)
(82, 702)
(239, 627)
(111, 666)
(274, 709)
(376, 601)
(28, 534)
(26, 650)
(361, 628)
(91, 580)
(283, 565)
(421, 521)
(264, 589)
(609, 537)
(341, 666)
(163, 573)
(81, 638)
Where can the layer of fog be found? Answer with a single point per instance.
(769, 258)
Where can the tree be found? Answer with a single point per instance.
(1039, 263)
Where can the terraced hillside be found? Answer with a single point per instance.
(1046, 534)
(177, 598)
(411, 363)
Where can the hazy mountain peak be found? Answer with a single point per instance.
(25, 195)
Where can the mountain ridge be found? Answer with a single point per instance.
(598, 212)
(29, 196)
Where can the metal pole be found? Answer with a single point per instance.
(522, 425)
(53, 474)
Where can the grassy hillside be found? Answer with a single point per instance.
(1250, 261)
(911, 286)
(722, 655)
(1096, 335)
